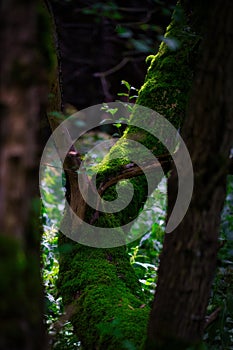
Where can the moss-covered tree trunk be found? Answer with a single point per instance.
(99, 287)
(24, 72)
(189, 254)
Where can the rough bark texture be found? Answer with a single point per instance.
(100, 283)
(189, 253)
(24, 72)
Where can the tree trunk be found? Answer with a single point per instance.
(189, 253)
(98, 286)
(25, 65)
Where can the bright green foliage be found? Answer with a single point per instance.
(65, 337)
(144, 253)
(131, 94)
(50, 272)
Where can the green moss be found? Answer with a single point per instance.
(168, 80)
(101, 282)
(107, 285)
(118, 156)
(107, 296)
(93, 265)
(114, 318)
(170, 73)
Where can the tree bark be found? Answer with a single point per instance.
(99, 285)
(189, 253)
(24, 74)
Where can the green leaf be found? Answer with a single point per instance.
(127, 85)
(117, 125)
(134, 96)
(122, 94)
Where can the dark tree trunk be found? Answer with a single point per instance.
(189, 254)
(23, 96)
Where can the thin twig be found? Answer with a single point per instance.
(212, 317)
(128, 171)
(117, 67)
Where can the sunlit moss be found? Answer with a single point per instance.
(108, 285)
(169, 77)
(101, 283)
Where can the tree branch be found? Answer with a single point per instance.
(212, 317)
